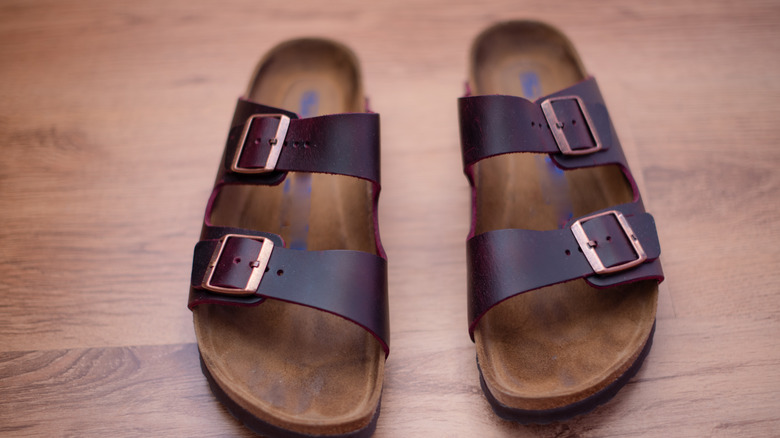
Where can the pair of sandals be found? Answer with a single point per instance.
(289, 279)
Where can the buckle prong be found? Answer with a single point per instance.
(276, 144)
(588, 246)
(556, 126)
(258, 266)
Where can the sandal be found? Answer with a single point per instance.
(563, 266)
(289, 279)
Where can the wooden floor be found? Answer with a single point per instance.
(112, 122)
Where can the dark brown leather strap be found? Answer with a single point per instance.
(497, 124)
(344, 144)
(573, 127)
(350, 284)
(505, 263)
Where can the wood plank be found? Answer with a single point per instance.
(431, 388)
(106, 391)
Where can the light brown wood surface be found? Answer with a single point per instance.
(112, 122)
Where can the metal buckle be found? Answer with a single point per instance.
(557, 127)
(276, 144)
(258, 266)
(589, 247)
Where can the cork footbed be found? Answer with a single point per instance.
(551, 347)
(298, 368)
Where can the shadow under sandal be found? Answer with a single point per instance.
(289, 279)
(563, 266)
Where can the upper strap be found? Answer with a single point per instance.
(264, 142)
(608, 248)
(241, 268)
(572, 125)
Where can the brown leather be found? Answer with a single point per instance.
(505, 263)
(350, 284)
(344, 144)
(497, 124)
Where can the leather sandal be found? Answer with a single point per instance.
(289, 278)
(563, 266)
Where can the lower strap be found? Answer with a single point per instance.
(505, 263)
(350, 284)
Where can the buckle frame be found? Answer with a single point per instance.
(276, 144)
(258, 266)
(556, 127)
(589, 249)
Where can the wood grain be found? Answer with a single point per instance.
(112, 120)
